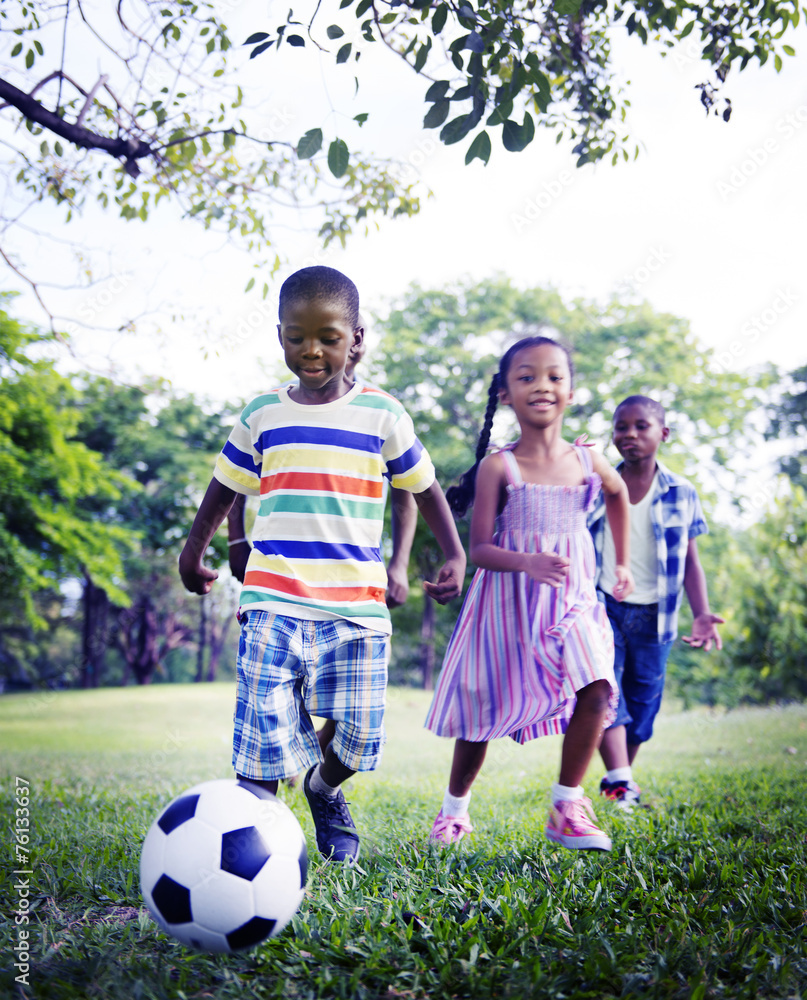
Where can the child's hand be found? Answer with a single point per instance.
(449, 581)
(198, 579)
(704, 632)
(397, 586)
(547, 567)
(582, 442)
(624, 583)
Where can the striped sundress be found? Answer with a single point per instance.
(521, 650)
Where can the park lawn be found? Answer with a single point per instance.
(702, 896)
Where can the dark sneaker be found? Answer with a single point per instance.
(336, 835)
(624, 794)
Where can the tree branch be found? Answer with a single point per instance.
(125, 148)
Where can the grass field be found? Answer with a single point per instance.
(702, 896)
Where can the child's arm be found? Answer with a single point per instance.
(239, 547)
(617, 510)
(543, 567)
(214, 507)
(704, 623)
(404, 521)
(433, 505)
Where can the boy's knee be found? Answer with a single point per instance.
(595, 697)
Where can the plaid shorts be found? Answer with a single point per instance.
(290, 669)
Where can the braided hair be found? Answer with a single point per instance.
(461, 496)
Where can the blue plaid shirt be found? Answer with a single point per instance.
(676, 514)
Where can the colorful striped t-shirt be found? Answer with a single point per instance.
(319, 472)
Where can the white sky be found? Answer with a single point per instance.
(707, 224)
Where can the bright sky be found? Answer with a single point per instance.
(707, 223)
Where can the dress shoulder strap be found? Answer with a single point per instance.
(584, 454)
(511, 466)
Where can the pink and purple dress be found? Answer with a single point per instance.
(521, 650)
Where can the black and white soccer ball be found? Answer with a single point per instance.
(224, 866)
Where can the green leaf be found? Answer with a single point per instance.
(258, 36)
(334, 31)
(479, 149)
(17, 49)
(516, 137)
(788, 50)
(687, 28)
(363, 7)
(29, 58)
(296, 40)
(338, 157)
(250, 284)
(567, 8)
(344, 53)
(310, 144)
(437, 91)
(422, 55)
(439, 18)
(456, 130)
(361, 118)
(437, 114)
(261, 48)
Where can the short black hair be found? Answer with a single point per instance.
(653, 405)
(322, 284)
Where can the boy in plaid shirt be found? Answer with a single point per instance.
(666, 518)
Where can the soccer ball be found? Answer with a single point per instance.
(224, 866)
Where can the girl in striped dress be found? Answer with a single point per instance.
(532, 650)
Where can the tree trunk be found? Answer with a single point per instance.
(217, 641)
(202, 643)
(427, 624)
(94, 633)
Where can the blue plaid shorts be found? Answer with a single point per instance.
(290, 669)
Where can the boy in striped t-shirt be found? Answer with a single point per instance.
(314, 622)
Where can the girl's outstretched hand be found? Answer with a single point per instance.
(546, 567)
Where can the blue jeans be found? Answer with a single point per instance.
(640, 666)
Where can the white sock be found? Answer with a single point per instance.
(619, 774)
(316, 784)
(455, 805)
(564, 793)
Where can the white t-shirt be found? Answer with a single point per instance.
(643, 554)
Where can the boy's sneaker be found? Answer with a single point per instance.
(449, 829)
(624, 794)
(572, 825)
(337, 839)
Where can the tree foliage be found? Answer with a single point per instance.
(135, 103)
(788, 422)
(511, 66)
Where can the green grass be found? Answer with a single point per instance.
(702, 896)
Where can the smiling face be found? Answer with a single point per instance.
(539, 384)
(638, 432)
(317, 339)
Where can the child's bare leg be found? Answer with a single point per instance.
(614, 748)
(326, 733)
(583, 733)
(270, 786)
(467, 763)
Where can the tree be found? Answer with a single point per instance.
(163, 119)
(514, 65)
(140, 105)
(167, 445)
(440, 347)
(788, 421)
(46, 532)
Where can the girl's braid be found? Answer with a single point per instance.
(460, 497)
